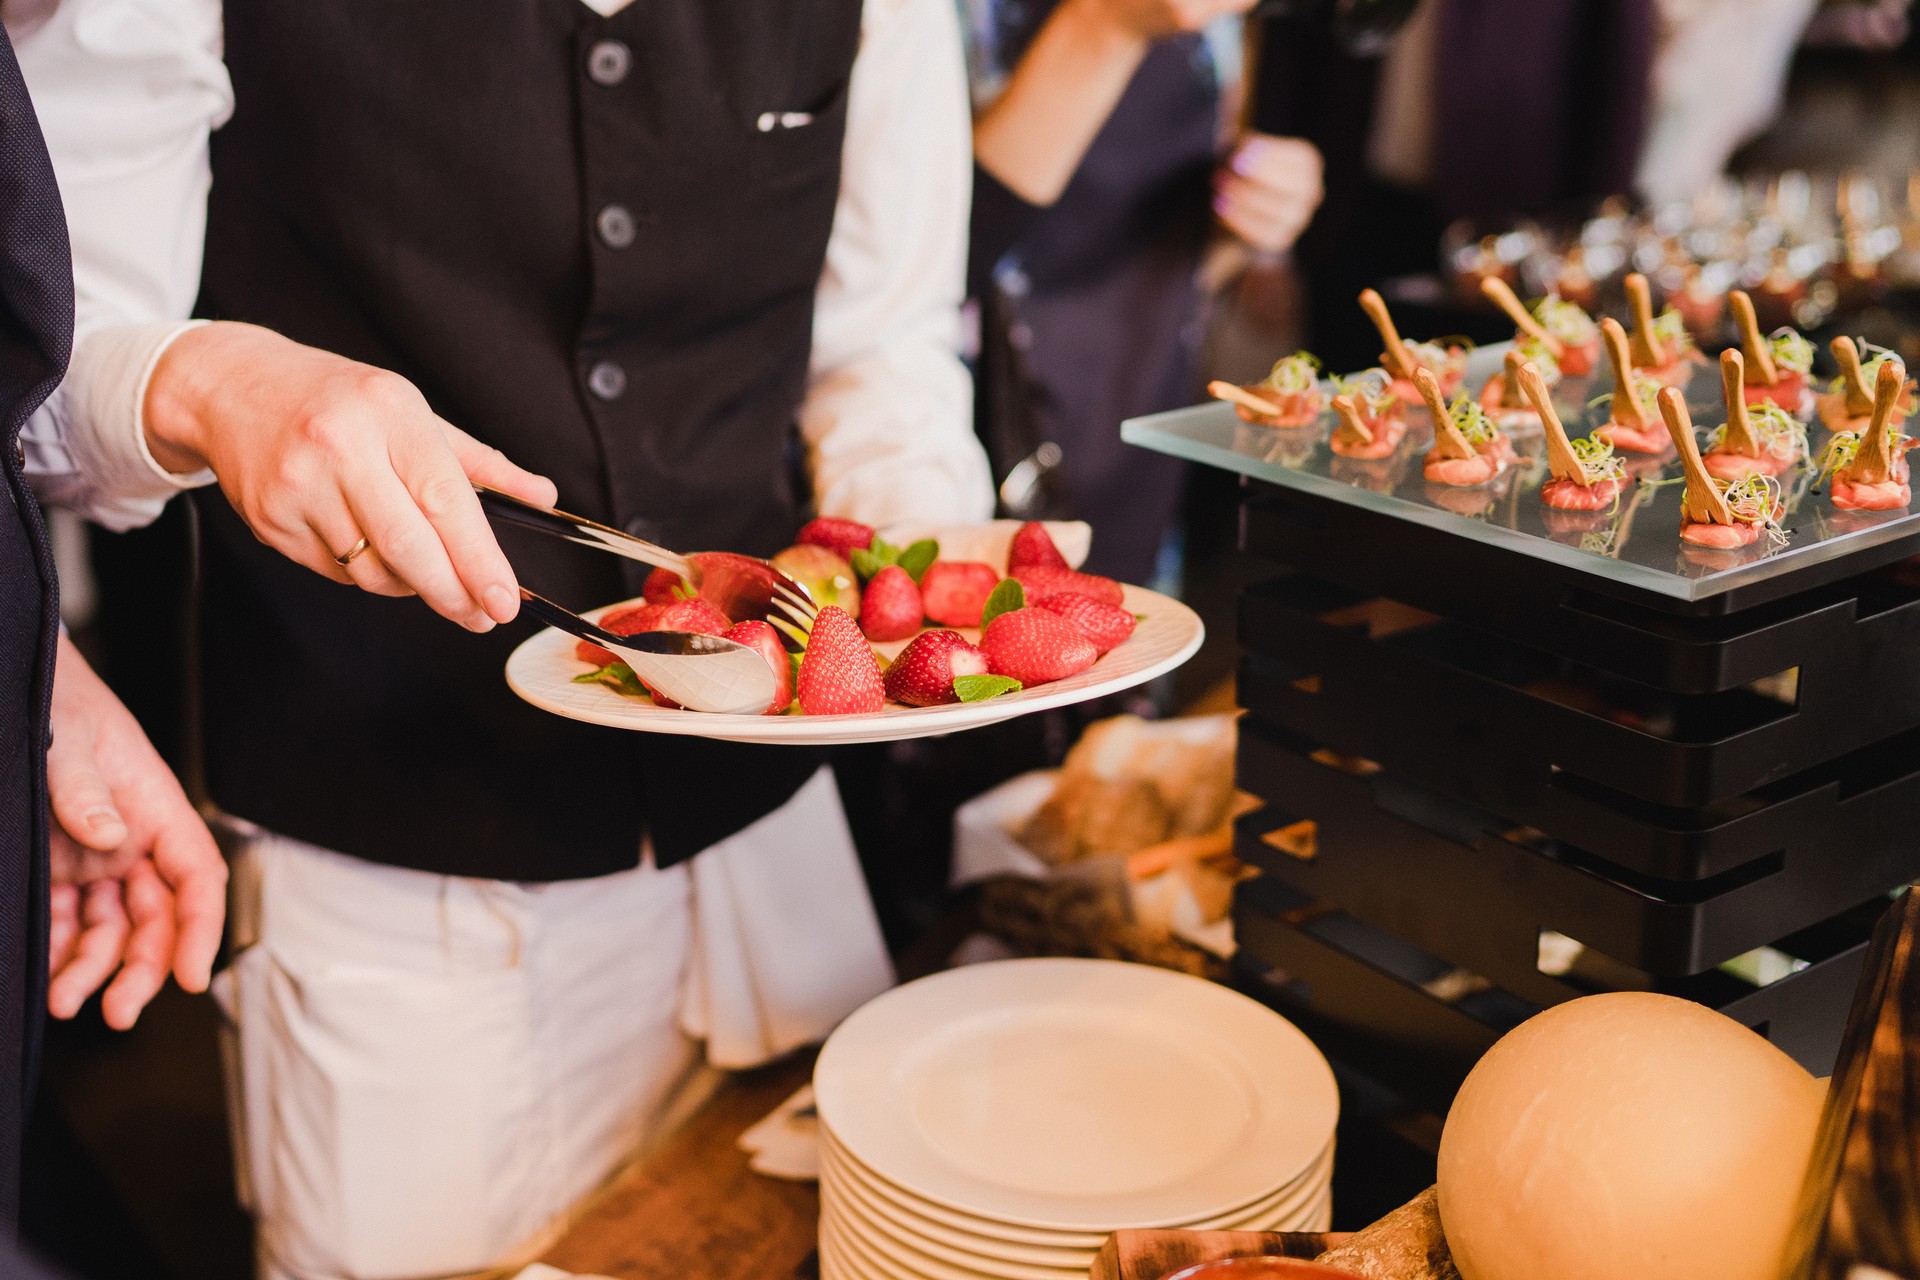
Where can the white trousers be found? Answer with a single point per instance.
(428, 1071)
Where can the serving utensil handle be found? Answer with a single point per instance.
(578, 529)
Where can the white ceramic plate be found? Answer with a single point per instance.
(1025, 1244)
(542, 669)
(886, 1228)
(1076, 1095)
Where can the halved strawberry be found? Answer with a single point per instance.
(1042, 582)
(1033, 545)
(625, 621)
(838, 673)
(664, 586)
(1035, 647)
(842, 537)
(759, 635)
(696, 615)
(1104, 624)
(890, 606)
(923, 674)
(955, 591)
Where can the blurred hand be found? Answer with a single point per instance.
(1153, 19)
(138, 885)
(316, 451)
(1268, 190)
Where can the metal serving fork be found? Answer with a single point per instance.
(742, 587)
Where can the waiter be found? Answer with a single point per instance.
(700, 263)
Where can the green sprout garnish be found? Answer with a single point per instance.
(1597, 459)
(1293, 375)
(1371, 390)
(1755, 498)
(1472, 421)
(1535, 352)
(1790, 351)
(1645, 390)
(1780, 434)
(1564, 320)
(1670, 327)
(1844, 447)
(1442, 355)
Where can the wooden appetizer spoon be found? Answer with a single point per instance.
(1562, 461)
(1501, 294)
(1626, 407)
(1876, 462)
(1702, 503)
(1647, 351)
(1447, 440)
(1751, 340)
(1352, 431)
(1396, 359)
(1739, 438)
(1853, 386)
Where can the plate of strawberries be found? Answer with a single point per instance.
(918, 633)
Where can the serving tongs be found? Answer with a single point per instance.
(700, 672)
(742, 587)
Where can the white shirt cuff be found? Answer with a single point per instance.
(106, 431)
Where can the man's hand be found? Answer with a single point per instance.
(316, 451)
(139, 887)
(1268, 190)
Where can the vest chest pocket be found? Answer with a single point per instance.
(795, 147)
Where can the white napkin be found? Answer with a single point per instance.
(541, 1271)
(785, 941)
(785, 1143)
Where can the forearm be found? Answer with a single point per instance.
(1057, 100)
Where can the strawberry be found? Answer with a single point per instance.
(890, 606)
(1041, 582)
(955, 591)
(923, 674)
(696, 615)
(1104, 624)
(838, 673)
(758, 635)
(664, 586)
(1035, 646)
(626, 621)
(1033, 545)
(842, 537)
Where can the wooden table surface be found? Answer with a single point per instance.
(694, 1211)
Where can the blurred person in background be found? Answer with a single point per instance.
(1099, 135)
(108, 878)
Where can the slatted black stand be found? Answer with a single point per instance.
(1499, 774)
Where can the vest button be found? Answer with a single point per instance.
(608, 62)
(615, 225)
(607, 380)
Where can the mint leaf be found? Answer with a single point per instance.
(884, 551)
(980, 688)
(617, 676)
(917, 557)
(866, 564)
(1006, 597)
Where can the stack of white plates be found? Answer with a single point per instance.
(997, 1121)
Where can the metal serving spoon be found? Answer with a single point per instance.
(701, 673)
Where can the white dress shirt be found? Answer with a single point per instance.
(128, 92)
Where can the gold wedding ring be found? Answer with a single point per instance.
(346, 557)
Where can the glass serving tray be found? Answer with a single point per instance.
(1633, 550)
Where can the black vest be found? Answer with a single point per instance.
(592, 243)
(36, 330)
